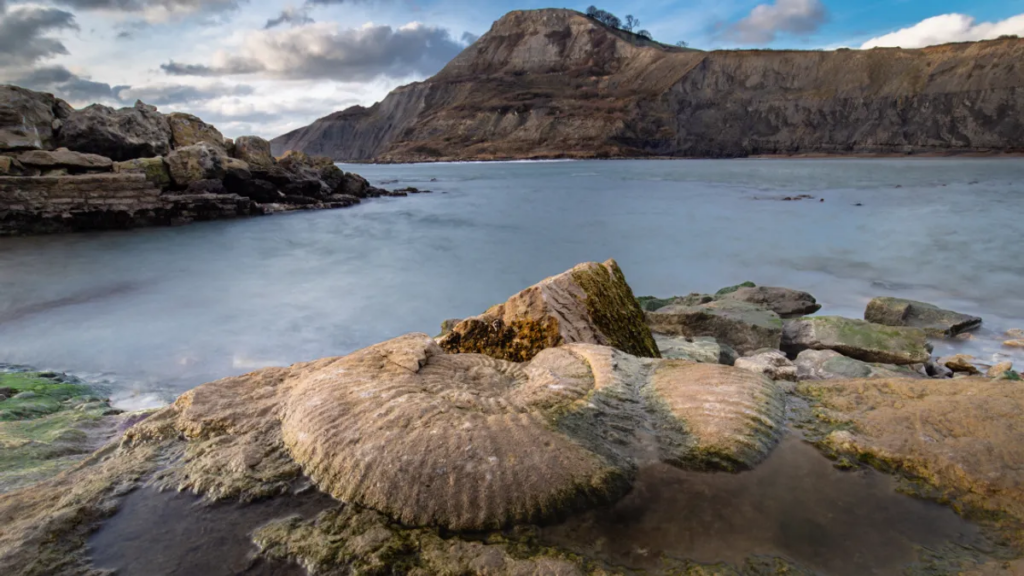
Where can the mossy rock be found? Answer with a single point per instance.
(155, 170)
(731, 289)
(47, 395)
(592, 303)
(857, 339)
(935, 321)
(651, 303)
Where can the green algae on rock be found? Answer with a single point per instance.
(857, 339)
(47, 423)
(730, 289)
(935, 321)
(591, 303)
(743, 326)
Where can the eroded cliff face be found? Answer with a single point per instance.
(554, 83)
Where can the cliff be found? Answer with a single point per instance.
(554, 83)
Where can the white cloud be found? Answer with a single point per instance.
(766, 21)
(948, 28)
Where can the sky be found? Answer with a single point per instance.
(265, 67)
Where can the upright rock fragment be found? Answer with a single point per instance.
(591, 303)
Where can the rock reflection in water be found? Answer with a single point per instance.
(795, 505)
(174, 534)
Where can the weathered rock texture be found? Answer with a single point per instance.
(592, 303)
(958, 441)
(28, 119)
(702, 349)
(831, 365)
(167, 170)
(743, 326)
(772, 363)
(933, 320)
(857, 339)
(104, 201)
(554, 83)
(785, 302)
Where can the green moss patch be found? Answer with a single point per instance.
(614, 310)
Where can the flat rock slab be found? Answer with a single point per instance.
(962, 439)
(935, 321)
(857, 339)
(831, 365)
(785, 302)
(743, 326)
(64, 158)
(701, 349)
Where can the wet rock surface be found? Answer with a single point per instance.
(699, 349)
(857, 339)
(935, 321)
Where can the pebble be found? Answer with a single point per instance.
(959, 363)
(1014, 343)
(999, 369)
(1015, 333)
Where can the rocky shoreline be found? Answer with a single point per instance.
(448, 454)
(66, 170)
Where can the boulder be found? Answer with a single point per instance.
(960, 363)
(1000, 371)
(701, 349)
(64, 158)
(125, 134)
(785, 302)
(255, 151)
(590, 303)
(935, 321)
(356, 185)
(28, 119)
(256, 190)
(935, 370)
(831, 365)
(197, 162)
(857, 339)
(651, 303)
(771, 363)
(155, 169)
(187, 130)
(743, 326)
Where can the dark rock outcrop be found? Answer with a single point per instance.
(165, 170)
(125, 134)
(29, 119)
(554, 83)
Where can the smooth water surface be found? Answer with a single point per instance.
(158, 311)
(795, 505)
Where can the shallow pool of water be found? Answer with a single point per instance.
(795, 505)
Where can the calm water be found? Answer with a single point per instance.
(158, 311)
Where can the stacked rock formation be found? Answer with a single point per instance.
(96, 168)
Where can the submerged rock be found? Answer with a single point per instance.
(772, 363)
(955, 441)
(831, 365)
(857, 339)
(785, 302)
(743, 326)
(700, 349)
(591, 303)
(933, 320)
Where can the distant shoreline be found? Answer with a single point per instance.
(797, 156)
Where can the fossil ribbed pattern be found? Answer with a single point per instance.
(733, 417)
(463, 441)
